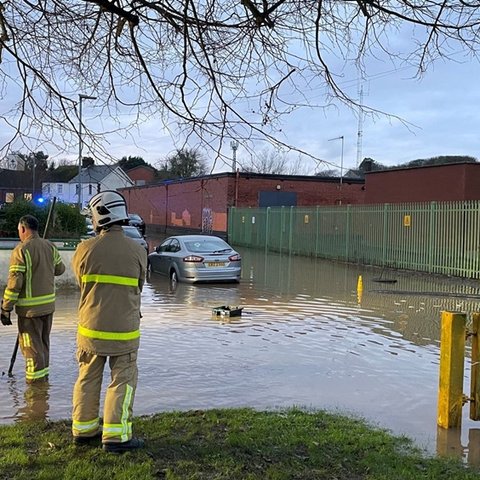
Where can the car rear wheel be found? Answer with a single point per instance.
(173, 279)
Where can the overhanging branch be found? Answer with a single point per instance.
(112, 8)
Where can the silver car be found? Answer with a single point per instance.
(196, 258)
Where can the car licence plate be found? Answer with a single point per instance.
(215, 264)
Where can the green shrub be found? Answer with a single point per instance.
(69, 222)
(66, 221)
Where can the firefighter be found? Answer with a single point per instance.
(34, 263)
(110, 269)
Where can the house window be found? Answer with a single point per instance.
(27, 197)
(60, 188)
(9, 197)
(90, 189)
(46, 189)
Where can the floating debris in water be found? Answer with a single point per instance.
(227, 311)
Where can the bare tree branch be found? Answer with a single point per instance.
(209, 70)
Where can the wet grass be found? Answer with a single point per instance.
(227, 444)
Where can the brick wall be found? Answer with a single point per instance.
(186, 205)
(454, 182)
(182, 204)
(309, 191)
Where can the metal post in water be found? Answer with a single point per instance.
(475, 372)
(452, 354)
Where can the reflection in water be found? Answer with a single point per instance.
(305, 338)
(28, 401)
(449, 444)
(35, 405)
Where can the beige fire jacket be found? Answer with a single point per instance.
(110, 270)
(34, 263)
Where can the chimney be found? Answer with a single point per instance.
(87, 162)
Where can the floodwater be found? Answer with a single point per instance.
(307, 338)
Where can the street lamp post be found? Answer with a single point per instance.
(234, 146)
(341, 164)
(80, 144)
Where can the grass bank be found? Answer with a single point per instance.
(226, 444)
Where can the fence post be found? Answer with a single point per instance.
(475, 372)
(267, 218)
(347, 235)
(384, 236)
(282, 228)
(290, 237)
(431, 235)
(231, 214)
(452, 353)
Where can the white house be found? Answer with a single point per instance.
(93, 179)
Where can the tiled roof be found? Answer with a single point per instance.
(15, 178)
(94, 174)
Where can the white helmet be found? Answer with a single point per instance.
(107, 207)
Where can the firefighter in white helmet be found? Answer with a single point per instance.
(110, 269)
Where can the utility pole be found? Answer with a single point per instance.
(80, 142)
(32, 156)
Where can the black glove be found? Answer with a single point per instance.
(5, 318)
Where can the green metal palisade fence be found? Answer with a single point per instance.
(431, 237)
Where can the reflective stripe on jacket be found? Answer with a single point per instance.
(34, 263)
(110, 270)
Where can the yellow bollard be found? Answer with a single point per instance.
(452, 354)
(359, 289)
(475, 373)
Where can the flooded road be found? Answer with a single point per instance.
(305, 338)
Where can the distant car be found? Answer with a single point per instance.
(133, 233)
(90, 230)
(196, 258)
(136, 220)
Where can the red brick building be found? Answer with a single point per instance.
(201, 203)
(441, 183)
(142, 174)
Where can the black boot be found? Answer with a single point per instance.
(95, 440)
(116, 447)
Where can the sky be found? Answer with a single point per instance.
(438, 114)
